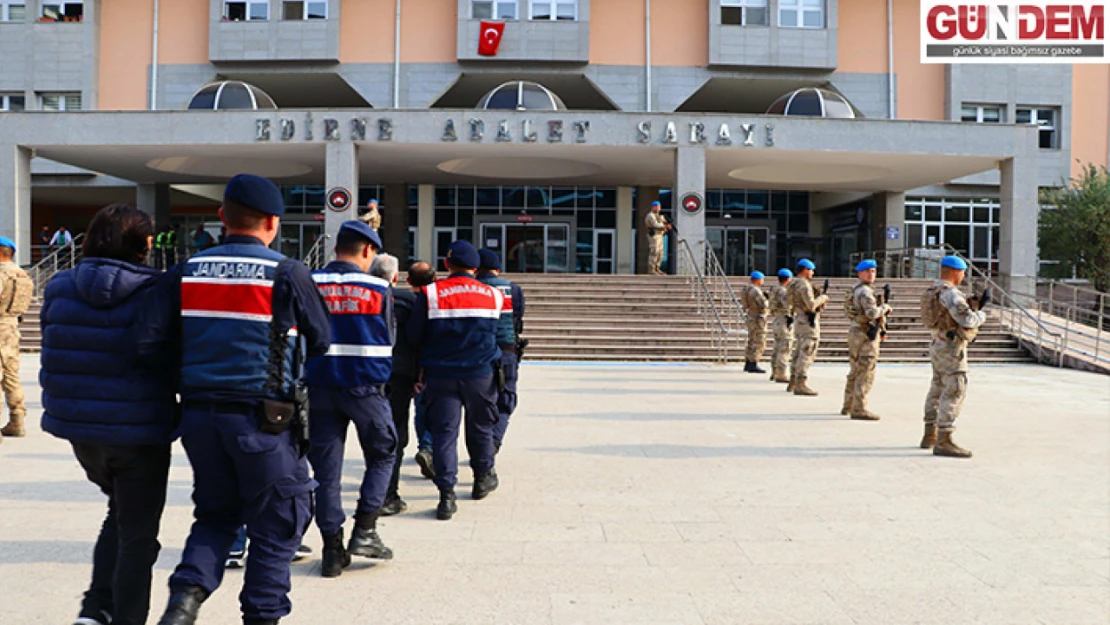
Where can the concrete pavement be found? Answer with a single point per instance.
(678, 494)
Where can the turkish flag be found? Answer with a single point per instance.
(490, 39)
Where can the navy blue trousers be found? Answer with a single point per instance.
(445, 400)
(243, 475)
(332, 410)
(506, 399)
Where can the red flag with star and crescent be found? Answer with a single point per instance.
(490, 39)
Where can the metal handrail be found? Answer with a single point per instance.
(65, 257)
(317, 255)
(706, 303)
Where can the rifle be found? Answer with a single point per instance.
(983, 299)
(877, 328)
(812, 316)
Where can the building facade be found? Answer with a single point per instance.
(655, 99)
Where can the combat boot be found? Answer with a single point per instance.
(791, 383)
(260, 621)
(780, 376)
(183, 606)
(393, 505)
(14, 428)
(752, 366)
(846, 409)
(800, 388)
(864, 415)
(365, 540)
(484, 484)
(447, 506)
(335, 557)
(424, 461)
(947, 447)
(930, 438)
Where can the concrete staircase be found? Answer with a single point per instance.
(650, 318)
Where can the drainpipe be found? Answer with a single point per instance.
(890, 58)
(397, 57)
(647, 55)
(154, 62)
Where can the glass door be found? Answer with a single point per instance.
(297, 238)
(604, 245)
(444, 237)
(529, 248)
(740, 249)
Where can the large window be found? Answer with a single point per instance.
(63, 11)
(1045, 119)
(61, 101)
(302, 10)
(554, 10)
(13, 10)
(744, 12)
(981, 114)
(802, 13)
(493, 9)
(10, 102)
(970, 226)
(246, 10)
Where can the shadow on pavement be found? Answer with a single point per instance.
(693, 451)
(670, 416)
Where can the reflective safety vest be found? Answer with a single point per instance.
(160, 241)
(505, 333)
(226, 319)
(461, 335)
(362, 332)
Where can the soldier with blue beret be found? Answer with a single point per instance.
(865, 314)
(782, 324)
(236, 320)
(755, 305)
(806, 306)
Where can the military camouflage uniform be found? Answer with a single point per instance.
(9, 352)
(656, 224)
(957, 326)
(784, 332)
(802, 300)
(372, 218)
(862, 309)
(755, 307)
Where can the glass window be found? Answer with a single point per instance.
(913, 213)
(932, 212)
(63, 12)
(1045, 119)
(302, 10)
(553, 10)
(12, 103)
(493, 9)
(957, 214)
(982, 214)
(744, 12)
(465, 196)
(959, 237)
(802, 13)
(61, 101)
(606, 219)
(981, 114)
(445, 216)
(246, 10)
(913, 235)
(13, 10)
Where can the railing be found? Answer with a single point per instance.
(317, 255)
(724, 330)
(904, 262)
(62, 258)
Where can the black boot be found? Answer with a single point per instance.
(365, 540)
(447, 506)
(183, 606)
(335, 556)
(424, 460)
(484, 484)
(755, 368)
(393, 505)
(260, 621)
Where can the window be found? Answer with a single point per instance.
(13, 10)
(302, 10)
(494, 9)
(246, 10)
(62, 11)
(554, 10)
(744, 12)
(12, 102)
(1045, 118)
(61, 101)
(969, 225)
(990, 114)
(802, 13)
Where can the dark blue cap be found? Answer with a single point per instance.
(954, 262)
(757, 275)
(6, 242)
(807, 264)
(489, 259)
(256, 193)
(364, 230)
(786, 273)
(864, 265)
(463, 253)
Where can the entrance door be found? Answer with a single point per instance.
(529, 248)
(297, 238)
(741, 249)
(604, 246)
(444, 237)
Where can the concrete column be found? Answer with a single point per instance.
(1017, 251)
(689, 177)
(425, 223)
(341, 164)
(154, 200)
(15, 199)
(644, 197)
(626, 262)
(888, 210)
(395, 220)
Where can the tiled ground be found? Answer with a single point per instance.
(680, 494)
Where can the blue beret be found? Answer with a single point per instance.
(372, 201)
(864, 265)
(807, 264)
(488, 259)
(757, 275)
(6, 242)
(786, 273)
(955, 262)
(463, 253)
(362, 229)
(255, 192)
(656, 203)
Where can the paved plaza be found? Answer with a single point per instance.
(677, 494)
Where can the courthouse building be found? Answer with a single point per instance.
(768, 129)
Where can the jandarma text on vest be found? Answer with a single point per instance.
(464, 288)
(219, 269)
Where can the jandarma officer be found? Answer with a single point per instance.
(348, 385)
(231, 316)
(454, 321)
(509, 326)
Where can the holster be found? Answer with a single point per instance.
(277, 416)
(872, 331)
(499, 375)
(789, 320)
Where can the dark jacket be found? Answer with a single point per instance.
(404, 352)
(93, 391)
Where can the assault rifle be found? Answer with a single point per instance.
(982, 300)
(812, 316)
(878, 327)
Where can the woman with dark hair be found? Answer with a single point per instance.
(118, 415)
